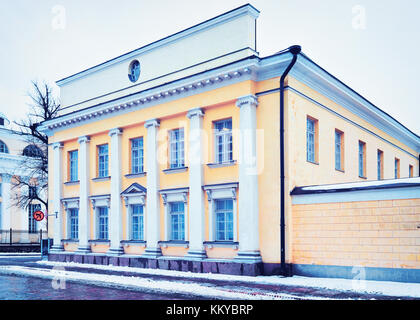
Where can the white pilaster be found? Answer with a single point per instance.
(152, 201)
(249, 248)
(196, 197)
(5, 222)
(84, 205)
(57, 187)
(115, 215)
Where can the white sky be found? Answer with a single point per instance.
(380, 61)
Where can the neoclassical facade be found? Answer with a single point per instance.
(14, 151)
(180, 164)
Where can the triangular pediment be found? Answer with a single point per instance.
(135, 188)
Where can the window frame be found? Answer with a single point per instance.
(73, 223)
(3, 147)
(397, 162)
(180, 223)
(32, 223)
(73, 173)
(102, 220)
(228, 224)
(140, 157)
(177, 141)
(226, 143)
(140, 217)
(312, 157)
(380, 164)
(340, 146)
(105, 158)
(362, 159)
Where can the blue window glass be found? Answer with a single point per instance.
(361, 159)
(74, 223)
(137, 228)
(73, 155)
(31, 220)
(223, 141)
(338, 148)
(177, 221)
(103, 161)
(137, 155)
(224, 219)
(176, 141)
(134, 71)
(103, 223)
(310, 140)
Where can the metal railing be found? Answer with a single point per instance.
(21, 237)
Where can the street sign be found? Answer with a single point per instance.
(39, 215)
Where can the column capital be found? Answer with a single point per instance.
(56, 145)
(114, 131)
(195, 112)
(83, 139)
(152, 123)
(248, 99)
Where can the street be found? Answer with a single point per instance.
(13, 287)
(32, 278)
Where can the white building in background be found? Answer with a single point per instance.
(14, 151)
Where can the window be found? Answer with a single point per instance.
(32, 151)
(410, 171)
(339, 150)
(137, 155)
(103, 161)
(176, 147)
(74, 223)
(362, 159)
(223, 139)
(137, 229)
(380, 165)
(134, 71)
(103, 223)
(3, 147)
(311, 140)
(31, 220)
(397, 168)
(32, 192)
(224, 220)
(73, 163)
(177, 221)
(1, 121)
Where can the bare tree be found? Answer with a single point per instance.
(33, 186)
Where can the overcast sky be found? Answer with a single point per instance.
(371, 45)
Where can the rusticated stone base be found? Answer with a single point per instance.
(165, 263)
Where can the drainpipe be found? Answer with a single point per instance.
(295, 50)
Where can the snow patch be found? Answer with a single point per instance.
(388, 288)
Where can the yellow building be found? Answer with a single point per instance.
(181, 165)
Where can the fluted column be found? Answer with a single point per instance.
(196, 198)
(57, 187)
(249, 246)
(5, 222)
(116, 230)
(152, 201)
(84, 204)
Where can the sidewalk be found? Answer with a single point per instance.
(218, 286)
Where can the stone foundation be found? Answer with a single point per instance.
(171, 263)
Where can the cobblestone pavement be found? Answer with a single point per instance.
(18, 287)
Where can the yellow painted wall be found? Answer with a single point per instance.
(220, 104)
(367, 233)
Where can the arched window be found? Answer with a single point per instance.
(3, 147)
(32, 151)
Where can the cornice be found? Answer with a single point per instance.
(185, 87)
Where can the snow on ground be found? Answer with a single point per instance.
(127, 282)
(388, 288)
